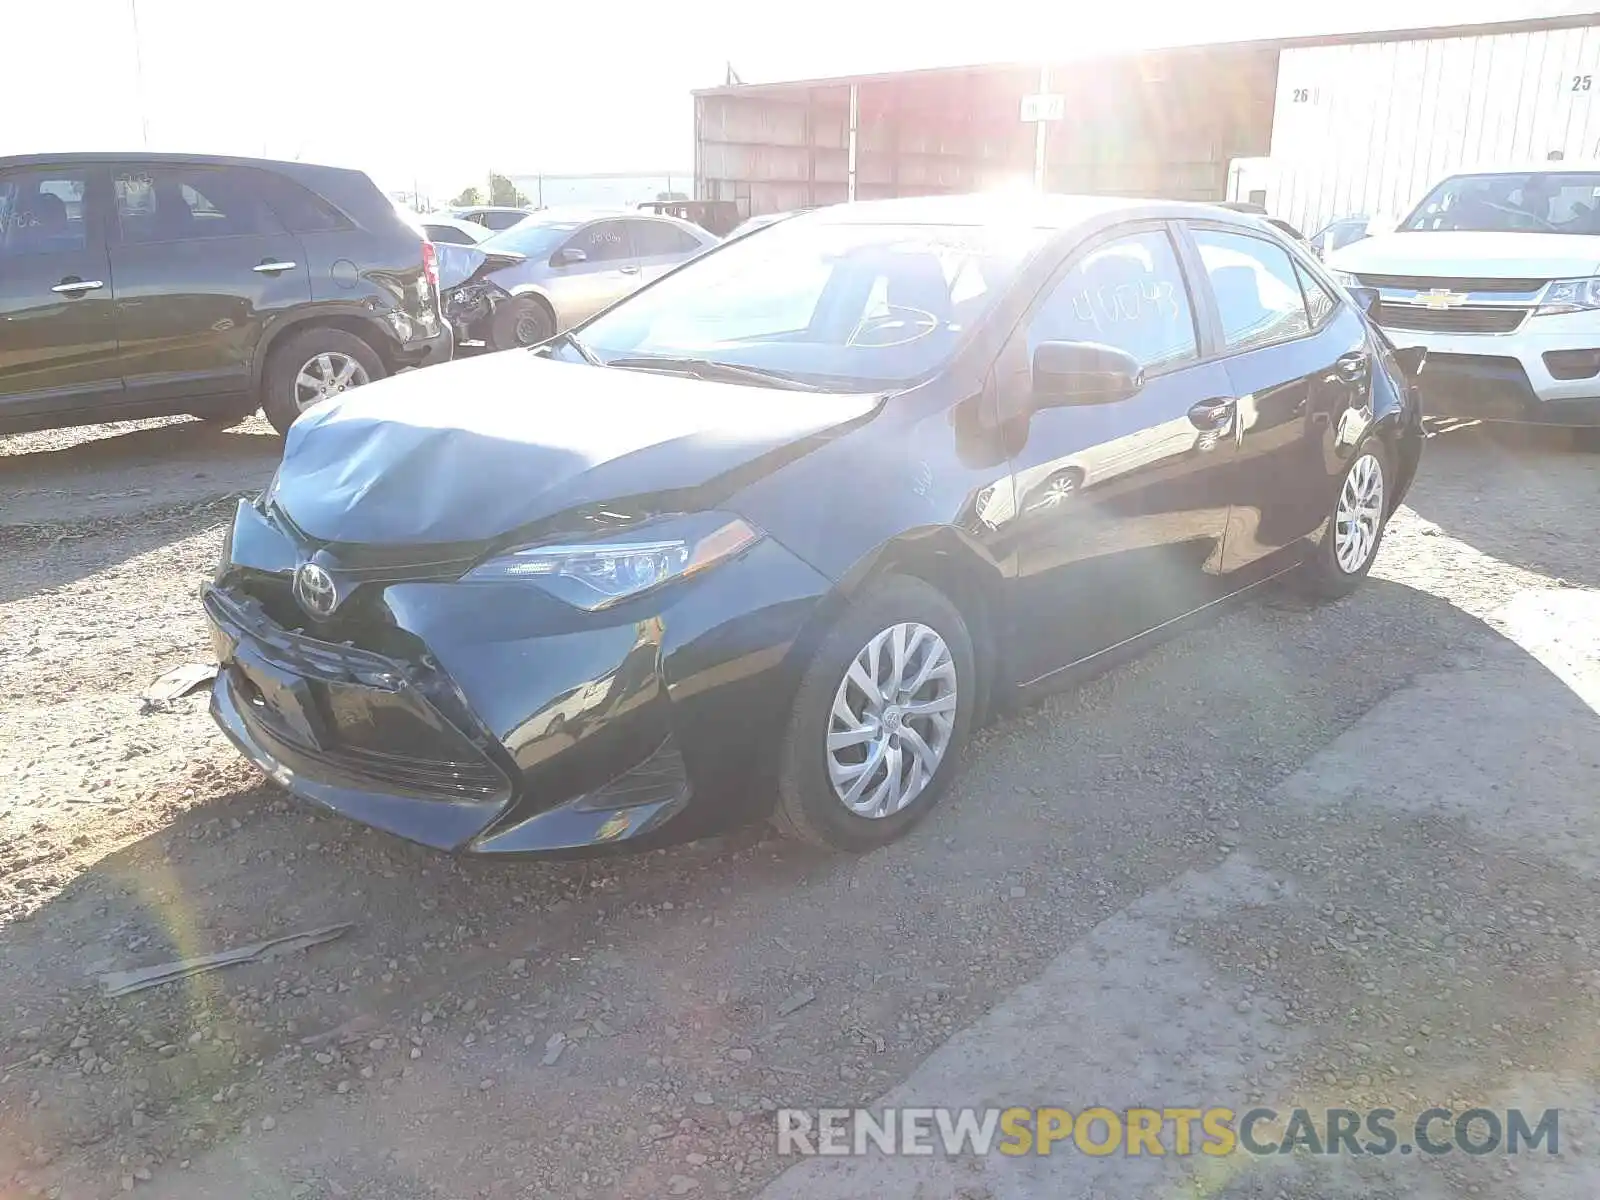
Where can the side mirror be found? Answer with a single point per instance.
(1367, 299)
(1067, 373)
(568, 255)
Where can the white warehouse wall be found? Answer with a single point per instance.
(1368, 128)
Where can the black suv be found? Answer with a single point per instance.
(142, 285)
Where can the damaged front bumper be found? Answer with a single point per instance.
(468, 298)
(470, 310)
(489, 719)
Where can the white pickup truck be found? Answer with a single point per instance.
(1497, 274)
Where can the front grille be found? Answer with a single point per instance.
(367, 707)
(1427, 283)
(1466, 319)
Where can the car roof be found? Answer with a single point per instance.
(580, 214)
(198, 160)
(1029, 211)
(1542, 167)
(435, 218)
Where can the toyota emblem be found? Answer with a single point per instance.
(314, 589)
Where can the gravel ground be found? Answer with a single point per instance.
(623, 1027)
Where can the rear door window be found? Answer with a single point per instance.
(658, 239)
(1256, 288)
(42, 212)
(158, 203)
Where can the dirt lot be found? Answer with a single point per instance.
(1344, 855)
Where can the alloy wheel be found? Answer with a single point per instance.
(1358, 519)
(530, 329)
(325, 376)
(892, 719)
(1058, 490)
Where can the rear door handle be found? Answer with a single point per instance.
(631, 269)
(272, 268)
(1212, 414)
(73, 286)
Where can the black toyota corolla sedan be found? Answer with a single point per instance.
(773, 535)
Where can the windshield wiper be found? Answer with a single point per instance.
(588, 355)
(711, 370)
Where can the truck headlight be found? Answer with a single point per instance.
(596, 574)
(1569, 296)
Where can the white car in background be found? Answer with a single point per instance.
(441, 227)
(1497, 274)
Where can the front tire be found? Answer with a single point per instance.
(524, 322)
(880, 719)
(1354, 528)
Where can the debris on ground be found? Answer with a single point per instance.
(179, 682)
(121, 983)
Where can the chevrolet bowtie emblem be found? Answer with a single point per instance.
(1439, 298)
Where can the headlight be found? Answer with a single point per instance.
(597, 574)
(1344, 278)
(1569, 296)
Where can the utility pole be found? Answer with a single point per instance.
(1041, 136)
(138, 76)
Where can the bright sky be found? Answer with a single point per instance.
(443, 92)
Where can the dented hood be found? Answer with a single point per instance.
(475, 449)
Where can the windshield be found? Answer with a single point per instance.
(1539, 202)
(532, 238)
(842, 305)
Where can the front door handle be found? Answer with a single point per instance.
(269, 267)
(73, 286)
(1211, 415)
(631, 269)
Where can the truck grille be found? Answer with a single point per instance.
(1467, 319)
(1427, 283)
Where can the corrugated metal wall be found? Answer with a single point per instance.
(1369, 128)
(1160, 124)
(773, 151)
(1157, 125)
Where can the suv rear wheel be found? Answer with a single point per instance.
(311, 366)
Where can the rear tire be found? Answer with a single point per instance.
(283, 398)
(525, 321)
(1353, 532)
(910, 731)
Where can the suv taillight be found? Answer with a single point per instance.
(430, 266)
